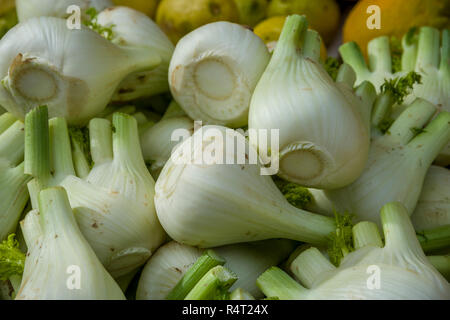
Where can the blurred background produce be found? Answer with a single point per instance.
(397, 17)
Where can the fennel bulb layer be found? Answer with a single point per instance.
(73, 72)
(248, 260)
(135, 29)
(323, 125)
(114, 204)
(159, 141)
(214, 71)
(207, 203)
(60, 264)
(399, 270)
(397, 166)
(433, 207)
(13, 181)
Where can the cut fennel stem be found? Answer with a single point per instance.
(13, 181)
(27, 9)
(214, 71)
(114, 204)
(323, 126)
(397, 166)
(424, 54)
(59, 251)
(202, 202)
(135, 29)
(404, 270)
(170, 263)
(74, 86)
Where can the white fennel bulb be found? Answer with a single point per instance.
(160, 140)
(424, 53)
(133, 28)
(201, 201)
(73, 72)
(433, 207)
(13, 181)
(403, 269)
(27, 9)
(323, 126)
(398, 163)
(214, 71)
(61, 265)
(114, 204)
(247, 260)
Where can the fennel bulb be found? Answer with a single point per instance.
(397, 166)
(323, 126)
(134, 29)
(201, 201)
(214, 71)
(114, 204)
(73, 72)
(397, 270)
(13, 182)
(433, 207)
(27, 9)
(160, 140)
(61, 264)
(247, 260)
(424, 53)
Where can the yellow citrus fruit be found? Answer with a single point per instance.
(251, 11)
(179, 17)
(269, 31)
(146, 6)
(323, 15)
(397, 17)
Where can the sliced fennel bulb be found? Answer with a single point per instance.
(27, 9)
(13, 181)
(403, 269)
(323, 125)
(248, 260)
(424, 53)
(160, 140)
(214, 71)
(73, 72)
(114, 204)
(61, 264)
(433, 207)
(202, 202)
(135, 29)
(397, 166)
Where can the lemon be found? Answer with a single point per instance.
(323, 15)
(179, 17)
(251, 11)
(146, 6)
(397, 17)
(269, 31)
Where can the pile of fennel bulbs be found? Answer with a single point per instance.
(98, 124)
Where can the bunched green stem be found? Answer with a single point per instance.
(366, 234)
(435, 240)
(442, 264)
(275, 283)
(292, 39)
(201, 267)
(213, 285)
(309, 265)
(100, 140)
